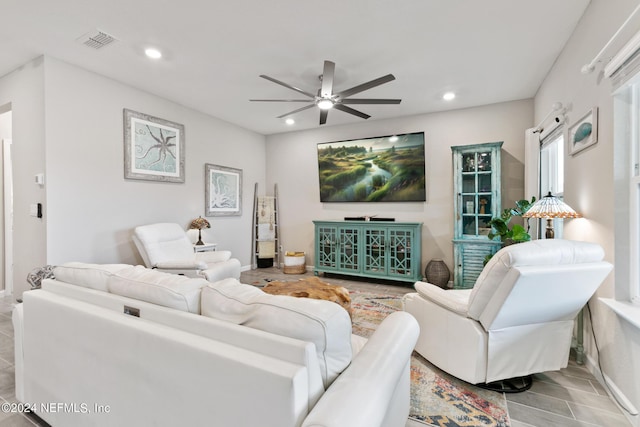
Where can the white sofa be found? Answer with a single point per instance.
(116, 345)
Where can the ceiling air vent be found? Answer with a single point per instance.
(96, 39)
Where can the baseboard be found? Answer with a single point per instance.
(618, 397)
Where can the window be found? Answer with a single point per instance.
(552, 172)
(627, 186)
(634, 190)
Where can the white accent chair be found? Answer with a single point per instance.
(166, 247)
(519, 317)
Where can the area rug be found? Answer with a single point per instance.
(436, 398)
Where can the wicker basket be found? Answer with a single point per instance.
(437, 273)
(294, 263)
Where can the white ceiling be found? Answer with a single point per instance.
(486, 51)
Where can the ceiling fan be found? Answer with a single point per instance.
(326, 99)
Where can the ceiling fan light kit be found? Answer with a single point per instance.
(325, 104)
(327, 99)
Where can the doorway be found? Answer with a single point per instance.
(6, 213)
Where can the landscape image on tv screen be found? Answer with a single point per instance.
(381, 169)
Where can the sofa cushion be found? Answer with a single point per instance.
(165, 289)
(94, 276)
(323, 323)
(535, 252)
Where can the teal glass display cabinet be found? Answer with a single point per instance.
(383, 250)
(477, 199)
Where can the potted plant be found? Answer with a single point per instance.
(517, 233)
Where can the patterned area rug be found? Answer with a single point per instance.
(436, 398)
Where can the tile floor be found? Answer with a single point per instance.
(570, 397)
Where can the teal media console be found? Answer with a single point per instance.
(383, 250)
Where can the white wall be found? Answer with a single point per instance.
(293, 164)
(24, 90)
(90, 209)
(589, 176)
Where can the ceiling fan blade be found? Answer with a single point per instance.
(351, 111)
(364, 86)
(370, 101)
(306, 107)
(323, 116)
(271, 79)
(327, 79)
(280, 100)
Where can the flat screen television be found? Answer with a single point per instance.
(381, 169)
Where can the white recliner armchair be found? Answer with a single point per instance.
(517, 320)
(166, 247)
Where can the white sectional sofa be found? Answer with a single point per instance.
(115, 345)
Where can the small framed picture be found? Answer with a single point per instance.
(583, 133)
(223, 190)
(153, 148)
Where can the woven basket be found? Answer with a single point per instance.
(437, 273)
(294, 263)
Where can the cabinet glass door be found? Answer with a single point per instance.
(348, 253)
(400, 256)
(375, 250)
(327, 246)
(476, 196)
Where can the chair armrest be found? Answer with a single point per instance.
(213, 257)
(360, 396)
(181, 265)
(456, 300)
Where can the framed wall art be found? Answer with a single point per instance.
(223, 191)
(583, 133)
(381, 169)
(153, 148)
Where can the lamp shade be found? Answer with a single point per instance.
(199, 223)
(551, 207)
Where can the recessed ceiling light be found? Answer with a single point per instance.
(153, 53)
(289, 121)
(448, 96)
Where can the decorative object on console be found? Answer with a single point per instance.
(437, 273)
(153, 148)
(380, 169)
(367, 218)
(584, 133)
(223, 191)
(328, 99)
(198, 224)
(550, 207)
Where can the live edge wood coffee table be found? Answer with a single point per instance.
(311, 288)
